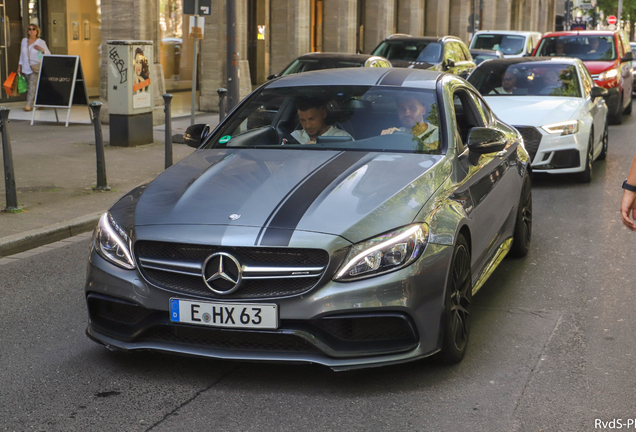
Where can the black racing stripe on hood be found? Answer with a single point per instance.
(396, 77)
(285, 221)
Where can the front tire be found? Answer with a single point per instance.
(523, 226)
(617, 117)
(604, 144)
(586, 175)
(457, 300)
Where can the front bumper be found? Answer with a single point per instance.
(556, 154)
(388, 319)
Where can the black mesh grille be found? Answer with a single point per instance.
(566, 159)
(117, 312)
(375, 328)
(250, 288)
(531, 139)
(262, 288)
(227, 339)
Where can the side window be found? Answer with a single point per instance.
(482, 108)
(450, 52)
(465, 52)
(620, 48)
(460, 52)
(467, 116)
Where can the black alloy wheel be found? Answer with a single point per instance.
(604, 144)
(585, 176)
(523, 226)
(457, 300)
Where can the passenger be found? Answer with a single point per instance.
(508, 83)
(411, 113)
(312, 114)
(551, 81)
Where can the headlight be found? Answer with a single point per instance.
(385, 253)
(563, 128)
(112, 243)
(608, 75)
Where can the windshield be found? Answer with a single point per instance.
(507, 44)
(422, 51)
(595, 48)
(526, 79)
(305, 65)
(335, 118)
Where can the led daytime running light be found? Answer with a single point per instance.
(106, 225)
(563, 128)
(405, 235)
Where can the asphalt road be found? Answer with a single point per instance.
(552, 346)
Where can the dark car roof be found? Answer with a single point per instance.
(582, 33)
(546, 60)
(400, 77)
(337, 56)
(483, 51)
(413, 38)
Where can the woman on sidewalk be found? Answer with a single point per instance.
(31, 52)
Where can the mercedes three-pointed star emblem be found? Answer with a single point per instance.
(222, 273)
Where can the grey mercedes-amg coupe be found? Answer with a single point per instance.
(343, 217)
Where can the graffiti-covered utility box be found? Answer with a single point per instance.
(130, 92)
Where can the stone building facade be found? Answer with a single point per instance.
(289, 28)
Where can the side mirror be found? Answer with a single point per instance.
(195, 134)
(271, 77)
(486, 140)
(629, 56)
(450, 63)
(598, 92)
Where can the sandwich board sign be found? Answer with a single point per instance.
(61, 84)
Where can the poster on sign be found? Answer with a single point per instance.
(141, 84)
(61, 84)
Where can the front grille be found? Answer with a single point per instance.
(531, 139)
(178, 267)
(229, 339)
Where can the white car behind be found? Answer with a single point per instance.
(556, 107)
(511, 43)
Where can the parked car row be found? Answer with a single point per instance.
(346, 217)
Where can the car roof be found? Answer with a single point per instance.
(337, 56)
(409, 38)
(395, 77)
(507, 32)
(537, 60)
(582, 33)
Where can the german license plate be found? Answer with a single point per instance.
(232, 315)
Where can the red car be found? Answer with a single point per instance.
(608, 57)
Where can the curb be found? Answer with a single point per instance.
(25, 241)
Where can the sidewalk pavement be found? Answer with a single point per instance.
(55, 170)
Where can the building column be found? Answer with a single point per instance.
(458, 24)
(437, 17)
(411, 17)
(339, 26)
(290, 32)
(379, 22)
(530, 15)
(489, 15)
(547, 15)
(503, 15)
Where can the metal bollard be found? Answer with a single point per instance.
(168, 100)
(99, 147)
(9, 175)
(222, 98)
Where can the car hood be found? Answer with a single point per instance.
(596, 67)
(355, 195)
(534, 110)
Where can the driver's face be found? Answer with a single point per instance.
(312, 120)
(411, 112)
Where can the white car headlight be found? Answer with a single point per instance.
(112, 243)
(608, 74)
(385, 253)
(563, 128)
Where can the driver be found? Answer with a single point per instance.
(312, 114)
(508, 83)
(411, 113)
(593, 45)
